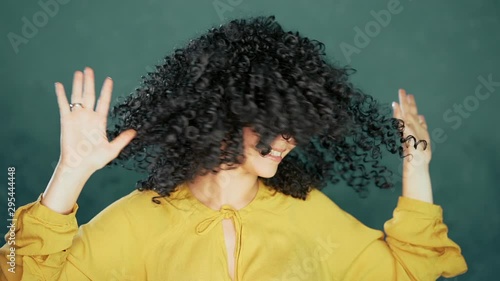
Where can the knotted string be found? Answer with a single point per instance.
(225, 212)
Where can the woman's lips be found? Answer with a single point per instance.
(274, 158)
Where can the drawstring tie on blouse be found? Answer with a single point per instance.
(225, 212)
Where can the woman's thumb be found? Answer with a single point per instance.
(123, 139)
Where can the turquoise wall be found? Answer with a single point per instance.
(441, 51)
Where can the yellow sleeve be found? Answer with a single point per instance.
(40, 243)
(50, 246)
(416, 247)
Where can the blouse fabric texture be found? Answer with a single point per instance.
(278, 238)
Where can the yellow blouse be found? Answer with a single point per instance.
(278, 238)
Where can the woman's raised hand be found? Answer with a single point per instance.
(84, 144)
(415, 125)
(416, 176)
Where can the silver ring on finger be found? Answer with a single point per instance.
(72, 105)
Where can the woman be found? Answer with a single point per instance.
(237, 131)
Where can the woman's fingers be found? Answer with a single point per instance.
(412, 105)
(410, 116)
(77, 90)
(398, 113)
(62, 101)
(408, 107)
(403, 101)
(396, 110)
(105, 97)
(421, 120)
(88, 88)
(122, 140)
(84, 91)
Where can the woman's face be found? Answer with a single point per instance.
(264, 166)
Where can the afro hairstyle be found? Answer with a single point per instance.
(252, 73)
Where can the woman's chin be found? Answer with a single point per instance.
(267, 176)
(267, 172)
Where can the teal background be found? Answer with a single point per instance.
(434, 49)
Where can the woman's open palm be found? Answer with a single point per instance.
(84, 144)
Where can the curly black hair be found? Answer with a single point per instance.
(252, 73)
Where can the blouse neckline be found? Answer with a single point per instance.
(266, 198)
(196, 203)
